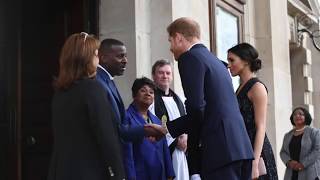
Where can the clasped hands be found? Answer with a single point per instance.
(295, 165)
(154, 131)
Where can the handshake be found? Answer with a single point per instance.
(155, 131)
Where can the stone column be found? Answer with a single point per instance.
(315, 74)
(301, 79)
(117, 20)
(160, 19)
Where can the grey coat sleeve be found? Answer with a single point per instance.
(315, 150)
(284, 153)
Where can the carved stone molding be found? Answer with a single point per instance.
(242, 1)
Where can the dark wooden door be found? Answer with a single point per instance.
(42, 27)
(9, 30)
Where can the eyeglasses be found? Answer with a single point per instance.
(85, 36)
(298, 113)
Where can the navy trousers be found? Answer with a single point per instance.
(238, 170)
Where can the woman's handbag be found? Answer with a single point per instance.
(262, 167)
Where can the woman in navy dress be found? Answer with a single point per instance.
(253, 98)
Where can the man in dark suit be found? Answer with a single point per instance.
(218, 144)
(112, 62)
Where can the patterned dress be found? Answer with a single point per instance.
(247, 111)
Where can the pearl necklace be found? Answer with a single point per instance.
(299, 130)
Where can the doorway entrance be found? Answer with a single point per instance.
(39, 32)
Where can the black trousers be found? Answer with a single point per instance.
(238, 170)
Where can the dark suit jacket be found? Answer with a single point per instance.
(86, 142)
(127, 133)
(161, 110)
(213, 119)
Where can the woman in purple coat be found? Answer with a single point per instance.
(147, 159)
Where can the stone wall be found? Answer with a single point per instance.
(141, 24)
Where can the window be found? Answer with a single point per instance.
(306, 3)
(226, 19)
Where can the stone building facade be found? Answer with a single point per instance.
(290, 60)
(32, 34)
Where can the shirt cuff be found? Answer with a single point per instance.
(195, 177)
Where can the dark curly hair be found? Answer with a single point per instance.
(307, 116)
(139, 83)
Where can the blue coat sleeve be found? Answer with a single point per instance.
(130, 133)
(167, 159)
(128, 153)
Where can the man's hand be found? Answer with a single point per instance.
(182, 142)
(155, 130)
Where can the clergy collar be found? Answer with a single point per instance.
(111, 78)
(164, 93)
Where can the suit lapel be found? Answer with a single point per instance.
(114, 90)
(114, 95)
(117, 97)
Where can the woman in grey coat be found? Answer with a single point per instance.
(300, 150)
